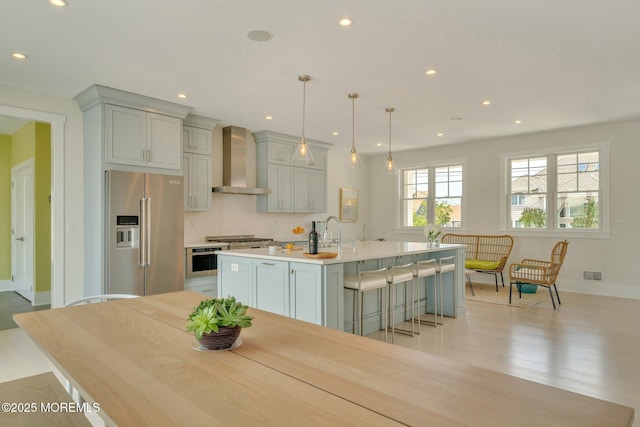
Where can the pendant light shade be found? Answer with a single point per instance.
(389, 165)
(303, 151)
(354, 159)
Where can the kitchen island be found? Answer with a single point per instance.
(291, 284)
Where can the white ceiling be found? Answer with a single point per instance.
(551, 64)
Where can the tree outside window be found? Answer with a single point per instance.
(432, 195)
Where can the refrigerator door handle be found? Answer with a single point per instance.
(143, 233)
(148, 231)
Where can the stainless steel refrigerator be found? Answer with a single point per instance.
(145, 253)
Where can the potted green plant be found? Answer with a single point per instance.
(216, 322)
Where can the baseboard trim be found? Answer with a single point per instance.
(5, 285)
(42, 298)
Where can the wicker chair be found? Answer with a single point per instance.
(537, 272)
(483, 254)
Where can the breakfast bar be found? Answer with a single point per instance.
(135, 359)
(290, 283)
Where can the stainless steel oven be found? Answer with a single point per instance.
(202, 261)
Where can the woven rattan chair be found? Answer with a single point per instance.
(537, 272)
(484, 254)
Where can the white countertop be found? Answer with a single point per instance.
(361, 251)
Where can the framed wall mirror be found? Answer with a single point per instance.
(348, 205)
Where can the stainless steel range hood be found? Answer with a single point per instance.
(234, 163)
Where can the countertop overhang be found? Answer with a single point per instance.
(358, 252)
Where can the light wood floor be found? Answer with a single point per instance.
(590, 345)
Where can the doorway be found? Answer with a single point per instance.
(57, 122)
(22, 229)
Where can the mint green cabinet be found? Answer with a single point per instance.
(236, 278)
(305, 292)
(271, 287)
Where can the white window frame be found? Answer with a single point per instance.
(403, 229)
(551, 229)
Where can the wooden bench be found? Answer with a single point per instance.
(484, 254)
(39, 400)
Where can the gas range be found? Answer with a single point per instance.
(246, 241)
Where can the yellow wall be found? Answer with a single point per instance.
(33, 140)
(5, 207)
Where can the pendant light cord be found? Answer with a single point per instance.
(304, 103)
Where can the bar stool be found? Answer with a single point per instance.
(401, 274)
(362, 282)
(467, 273)
(445, 265)
(425, 269)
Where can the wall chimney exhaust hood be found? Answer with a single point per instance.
(234, 163)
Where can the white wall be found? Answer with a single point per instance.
(236, 214)
(73, 177)
(614, 256)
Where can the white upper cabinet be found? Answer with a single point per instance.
(134, 137)
(197, 178)
(295, 186)
(196, 140)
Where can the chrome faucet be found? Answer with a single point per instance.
(330, 217)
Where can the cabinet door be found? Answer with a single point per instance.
(301, 187)
(186, 171)
(280, 179)
(318, 191)
(272, 286)
(305, 292)
(164, 134)
(320, 159)
(280, 153)
(196, 140)
(200, 182)
(235, 278)
(125, 135)
(310, 190)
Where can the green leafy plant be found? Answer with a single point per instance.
(213, 313)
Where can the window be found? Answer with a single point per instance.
(556, 190)
(432, 195)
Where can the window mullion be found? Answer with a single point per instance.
(552, 192)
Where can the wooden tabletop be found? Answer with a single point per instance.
(135, 359)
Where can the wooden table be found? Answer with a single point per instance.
(135, 359)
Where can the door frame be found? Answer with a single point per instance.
(57, 122)
(27, 164)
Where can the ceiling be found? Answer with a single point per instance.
(549, 64)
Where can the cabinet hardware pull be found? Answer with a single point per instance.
(268, 263)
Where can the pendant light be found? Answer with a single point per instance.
(389, 166)
(303, 151)
(354, 159)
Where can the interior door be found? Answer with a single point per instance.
(22, 217)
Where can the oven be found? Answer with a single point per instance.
(202, 261)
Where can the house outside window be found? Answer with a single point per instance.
(557, 191)
(432, 195)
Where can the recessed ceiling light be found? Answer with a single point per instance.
(19, 55)
(268, 117)
(486, 102)
(345, 22)
(259, 35)
(334, 133)
(379, 144)
(431, 71)
(183, 96)
(518, 122)
(439, 134)
(58, 3)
